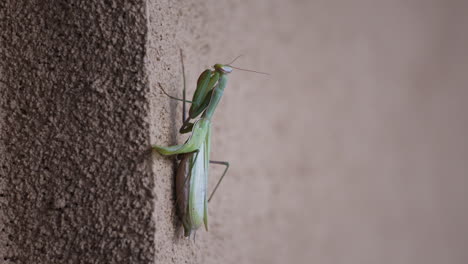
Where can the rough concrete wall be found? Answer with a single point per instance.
(74, 127)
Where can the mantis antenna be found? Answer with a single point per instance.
(234, 60)
(247, 70)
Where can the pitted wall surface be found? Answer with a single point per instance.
(74, 102)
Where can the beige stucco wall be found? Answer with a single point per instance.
(353, 150)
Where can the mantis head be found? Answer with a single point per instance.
(227, 68)
(222, 68)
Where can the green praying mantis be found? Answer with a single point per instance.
(194, 155)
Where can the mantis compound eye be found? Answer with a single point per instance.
(223, 68)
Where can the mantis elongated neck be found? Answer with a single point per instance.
(216, 97)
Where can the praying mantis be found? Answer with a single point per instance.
(194, 155)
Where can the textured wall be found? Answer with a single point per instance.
(353, 150)
(74, 189)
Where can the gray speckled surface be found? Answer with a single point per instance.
(74, 127)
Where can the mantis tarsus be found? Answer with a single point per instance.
(194, 154)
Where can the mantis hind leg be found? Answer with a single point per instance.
(184, 114)
(225, 163)
(184, 110)
(186, 124)
(173, 97)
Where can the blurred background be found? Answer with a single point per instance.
(352, 150)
